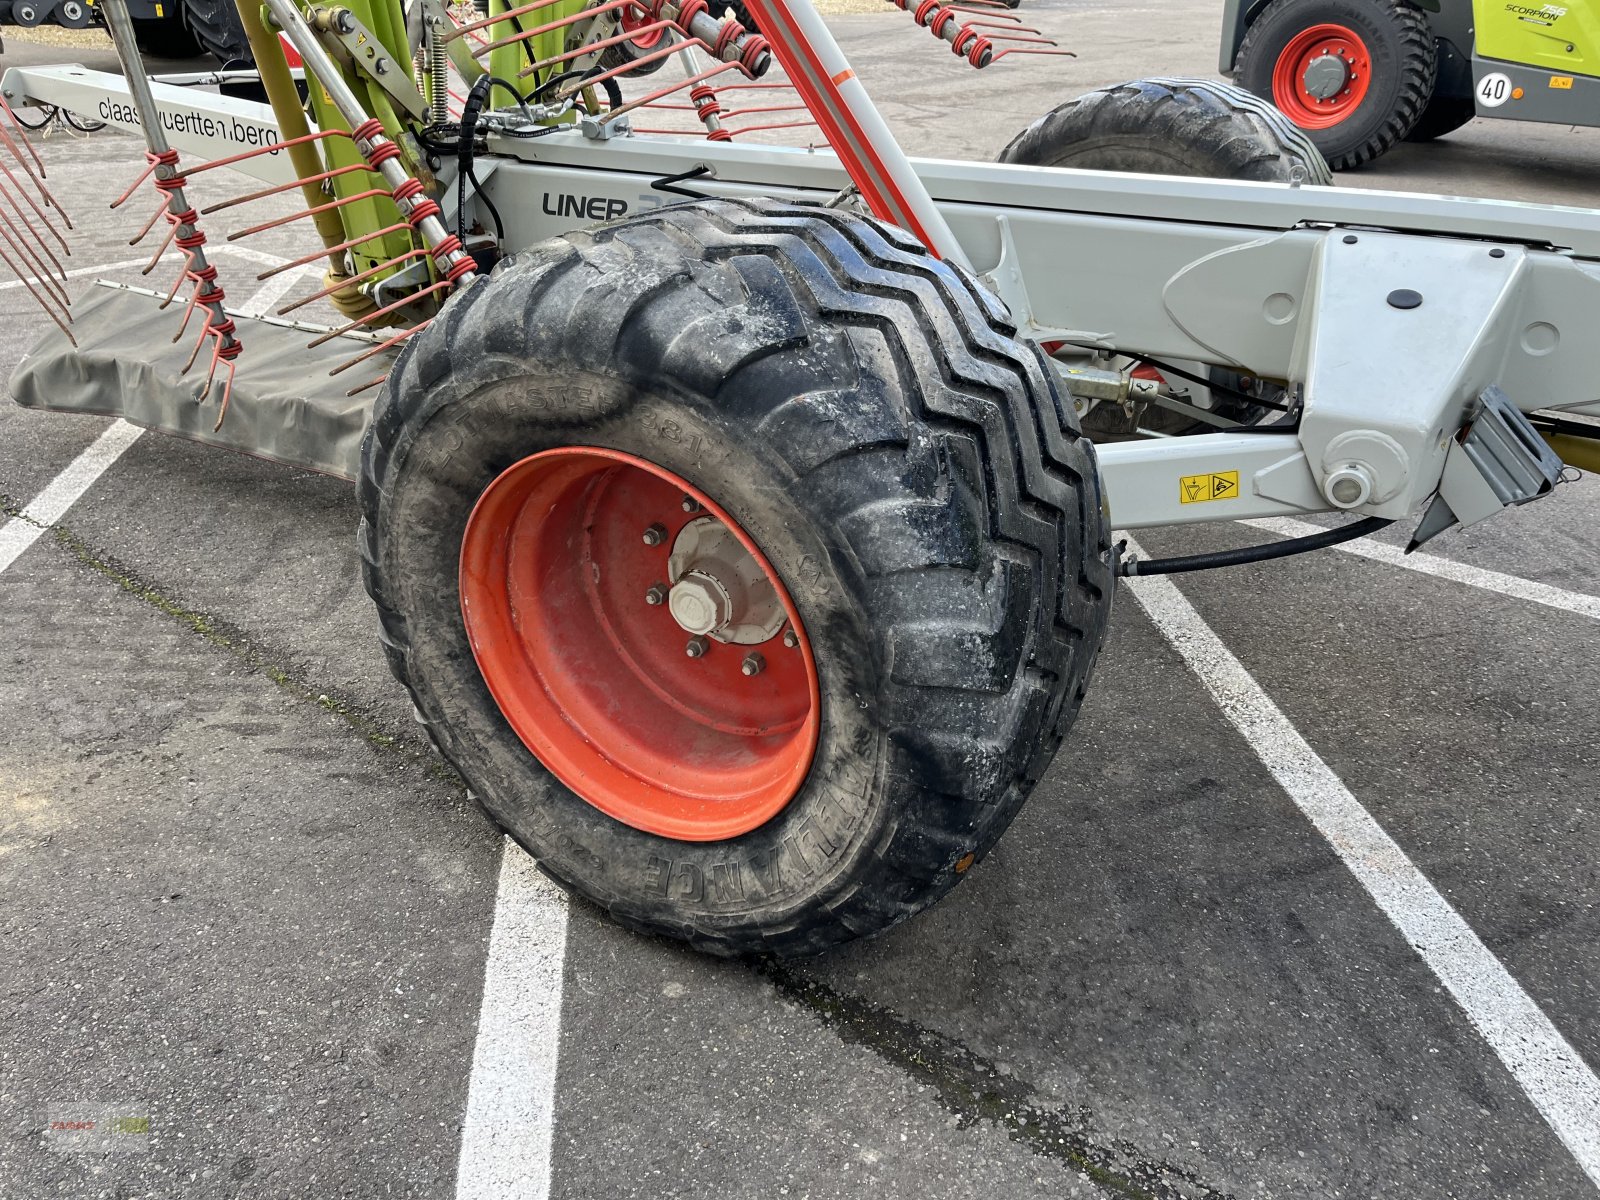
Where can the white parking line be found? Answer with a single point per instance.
(506, 1137)
(1494, 581)
(1554, 1076)
(62, 492)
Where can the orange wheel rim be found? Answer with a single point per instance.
(591, 667)
(1322, 76)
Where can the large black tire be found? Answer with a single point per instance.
(1444, 114)
(165, 37)
(1404, 66)
(865, 413)
(217, 28)
(1190, 127)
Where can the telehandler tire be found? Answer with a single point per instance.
(791, 403)
(1376, 60)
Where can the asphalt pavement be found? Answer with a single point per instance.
(246, 915)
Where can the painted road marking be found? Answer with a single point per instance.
(1561, 1085)
(1428, 564)
(511, 1095)
(62, 492)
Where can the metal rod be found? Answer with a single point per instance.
(166, 173)
(855, 129)
(321, 66)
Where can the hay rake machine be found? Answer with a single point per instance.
(727, 506)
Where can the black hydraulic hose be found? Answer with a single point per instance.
(470, 112)
(1252, 554)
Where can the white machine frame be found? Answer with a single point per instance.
(1387, 316)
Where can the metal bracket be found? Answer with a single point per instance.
(367, 54)
(1499, 461)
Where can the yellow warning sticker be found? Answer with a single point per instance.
(1561, 81)
(1219, 485)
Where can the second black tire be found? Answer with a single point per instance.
(1191, 127)
(864, 411)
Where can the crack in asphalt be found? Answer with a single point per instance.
(973, 1089)
(967, 1085)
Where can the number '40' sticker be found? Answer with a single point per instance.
(1494, 89)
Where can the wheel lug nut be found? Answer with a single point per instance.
(697, 647)
(753, 664)
(690, 504)
(791, 639)
(655, 534)
(657, 594)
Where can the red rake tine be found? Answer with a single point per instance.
(339, 249)
(1030, 50)
(285, 187)
(698, 77)
(379, 348)
(276, 222)
(382, 312)
(509, 15)
(591, 47)
(548, 26)
(16, 124)
(38, 180)
(33, 234)
(352, 281)
(160, 212)
(166, 244)
(38, 212)
(260, 150)
(48, 311)
(371, 383)
(42, 272)
(150, 169)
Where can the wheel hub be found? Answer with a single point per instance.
(718, 588)
(1325, 76)
(1322, 76)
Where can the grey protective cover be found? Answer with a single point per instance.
(285, 406)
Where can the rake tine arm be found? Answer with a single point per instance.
(379, 348)
(166, 244)
(11, 114)
(41, 273)
(322, 293)
(19, 189)
(560, 23)
(161, 211)
(309, 212)
(378, 313)
(33, 238)
(48, 311)
(285, 187)
(351, 244)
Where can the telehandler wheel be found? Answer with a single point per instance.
(1355, 74)
(742, 561)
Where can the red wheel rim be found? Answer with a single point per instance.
(1322, 76)
(555, 569)
(631, 21)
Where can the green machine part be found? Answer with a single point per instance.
(1563, 38)
(386, 20)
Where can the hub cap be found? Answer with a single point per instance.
(1322, 76)
(695, 718)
